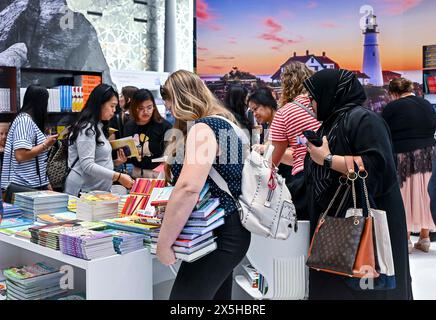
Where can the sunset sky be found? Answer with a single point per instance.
(258, 36)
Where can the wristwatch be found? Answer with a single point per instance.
(328, 160)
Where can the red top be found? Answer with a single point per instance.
(289, 122)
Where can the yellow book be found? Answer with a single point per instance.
(128, 145)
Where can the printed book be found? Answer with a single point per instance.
(128, 145)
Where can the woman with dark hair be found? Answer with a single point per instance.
(25, 158)
(350, 129)
(412, 125)
(121, 116)
(235, 101)
(148, 128)
(89, 152)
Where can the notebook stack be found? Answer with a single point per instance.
(86, 244)
(15, 222)
(129, 224)
(97, 206)
(41, 202)
(124, 241)
(34, 282)
(48, 236)
(11, 210)
(196, 239)
(140, 195)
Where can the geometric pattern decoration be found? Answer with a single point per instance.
(185, 34)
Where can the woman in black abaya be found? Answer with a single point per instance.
(350, 129)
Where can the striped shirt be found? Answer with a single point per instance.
(24, 134)
(289, 122)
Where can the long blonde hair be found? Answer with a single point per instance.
(292, 79)
(190, 100)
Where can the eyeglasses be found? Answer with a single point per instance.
(164, 93)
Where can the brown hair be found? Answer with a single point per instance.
(128, 92)
(190, 100)
(138, 98)
(400, 86)
(293, 76)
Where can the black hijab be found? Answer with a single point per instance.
(336, 91)
(333, 89)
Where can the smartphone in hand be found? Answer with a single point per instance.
(313, 138)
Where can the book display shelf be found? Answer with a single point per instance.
(116, 277)
(429, 73)
(68, 90)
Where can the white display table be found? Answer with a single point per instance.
(118, 277)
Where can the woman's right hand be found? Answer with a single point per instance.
(126, 181)
(51, 140)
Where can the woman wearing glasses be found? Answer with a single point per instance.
(148, 128)
(89, 152)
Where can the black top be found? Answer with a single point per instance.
(362, 132)
(151, 139)
(118, 121)
(412, 123)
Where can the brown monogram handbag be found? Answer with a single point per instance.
(345, 246)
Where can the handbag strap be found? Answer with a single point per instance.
(302, 106)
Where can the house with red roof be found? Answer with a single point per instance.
(362, 77)
(314, 62)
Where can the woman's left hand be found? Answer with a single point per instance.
(121, 158)
(318, 154)
(165, 255)
(259, 148)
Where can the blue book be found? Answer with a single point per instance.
(15, 222)
(206, 209)
(203, 230)
(204, 222)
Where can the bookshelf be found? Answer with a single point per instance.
(102, 279)
(16, 79)
(429, 73)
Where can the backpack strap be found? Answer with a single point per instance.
(222, 184)
(302, 106)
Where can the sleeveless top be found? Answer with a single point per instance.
(228, 163)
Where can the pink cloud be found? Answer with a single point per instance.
(216, 67)
(329, 25)
(202, 49)
(273, 25)
(280, 40)
(215, 27)
(232, 40)
(203, 13)
(224, 58)
(396, 7)
(275, 48)
(312, 5)
(201, 60)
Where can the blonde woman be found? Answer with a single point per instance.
(295, 116)
(191, 101)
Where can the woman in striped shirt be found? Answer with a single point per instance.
(25, 158)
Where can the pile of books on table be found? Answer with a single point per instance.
(37, 202)
(34, 282)
(140, 195)
(129, 224)
(196, 239)
(56, 217)
(86, 244)
(48, 235)
(124, 241)
(11, 211)
(15, 222)
(97, 206)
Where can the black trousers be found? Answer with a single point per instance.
(211, 277)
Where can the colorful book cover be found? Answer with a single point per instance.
(206, 209)
(27, 272)
(203, 230)
(15, 222)
(204, 222)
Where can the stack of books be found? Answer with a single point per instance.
(3, 287)
(140, 195)
(41, 202)
(72, 203)
(21, 231)
(121, 203)
(86, 244)
(251, 275)
(196, 239)
(129, 224)
(97, 206)
(124, 241)
(48, 235)
(10, 210)
(33, 282)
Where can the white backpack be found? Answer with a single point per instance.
(265, 204)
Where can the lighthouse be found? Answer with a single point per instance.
(371, 55)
